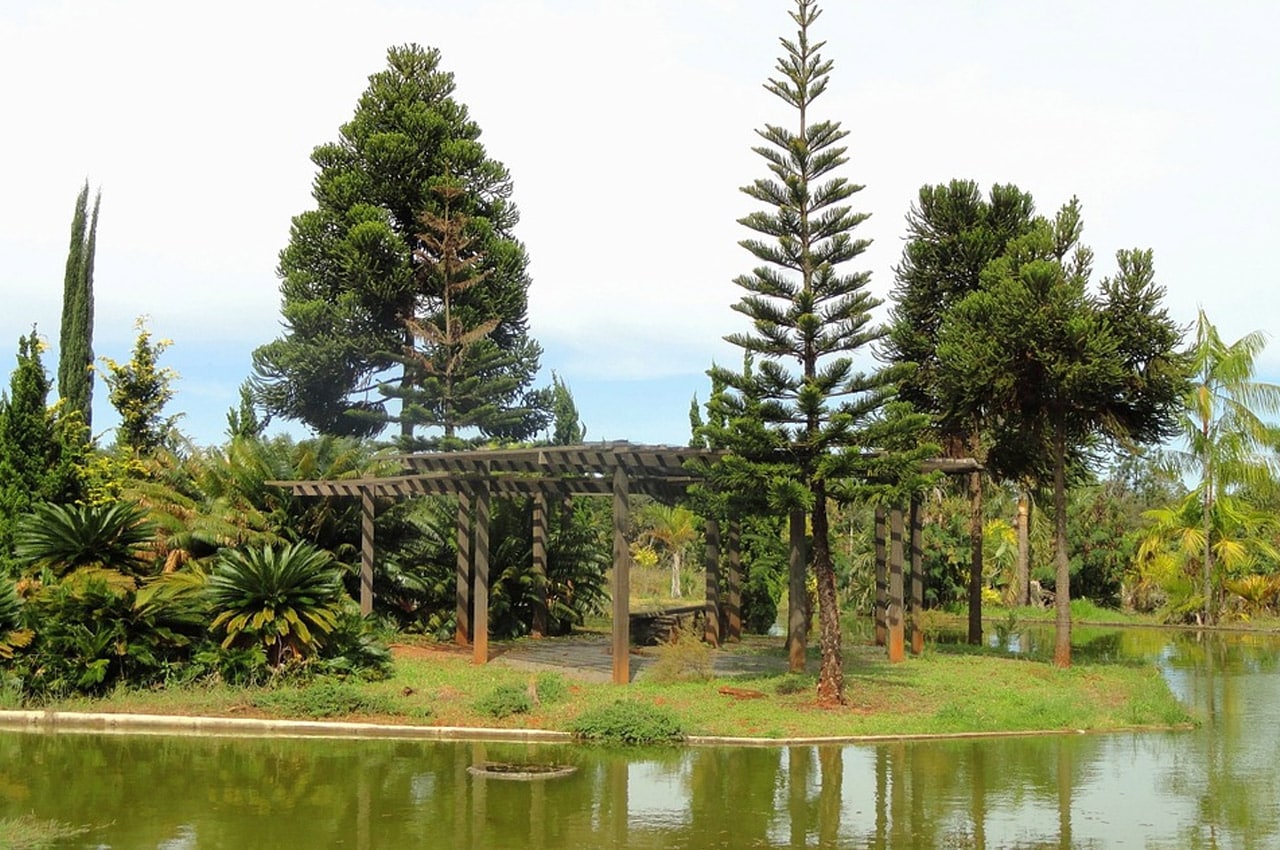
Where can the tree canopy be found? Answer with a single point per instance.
(1056, 366)
(355, 276)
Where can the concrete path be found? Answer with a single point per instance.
(589, 658)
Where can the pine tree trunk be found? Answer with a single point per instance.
(1062, 582)
(1024, 546)
(831, 671)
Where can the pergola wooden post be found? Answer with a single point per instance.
(480, 536)
(621, 580)
(897, 642)
(711, 632)
(733, 611)
(797, 595)
(538, 521)
(462, 572)
(881, 600)
(366, 551)
(917, 577)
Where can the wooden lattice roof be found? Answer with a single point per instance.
(585, 469)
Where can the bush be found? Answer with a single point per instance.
(551, 687)
(324, 698)
(685, 658)
(628, 722)
(505, 700)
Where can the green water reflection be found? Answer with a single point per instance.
(1214, 787)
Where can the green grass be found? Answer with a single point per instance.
(948, 690)
(30, 833)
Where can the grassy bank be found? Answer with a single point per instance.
(945, 691)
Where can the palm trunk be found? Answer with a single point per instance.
(675, 574)
(1207, 519)
(1062, 582)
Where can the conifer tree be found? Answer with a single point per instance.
(75, 342)
(350, 283)
(953, 233)
(798, 420)
(38, 450)
(456, 377)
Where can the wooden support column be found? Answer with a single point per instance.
(733, 611)
(480, 534)
(797, 590)
(538, 521)
(917, 577)
(897, 626)
(621, 581)
(366, 551)
(882, 576)
(462, 572)
(711, 633)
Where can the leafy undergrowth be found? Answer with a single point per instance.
(941, 692)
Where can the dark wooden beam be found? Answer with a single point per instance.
(881, 600)
(897, 625)
(538, 522)
(462, 572)
(711, 632)
(917, 577)
(480, 533)
(366, 552)
(621, 581)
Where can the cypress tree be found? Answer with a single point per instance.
(75, 342)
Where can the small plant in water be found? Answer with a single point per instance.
(1006, 629)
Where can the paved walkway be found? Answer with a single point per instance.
(589, 657)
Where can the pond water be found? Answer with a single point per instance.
(1215, 787)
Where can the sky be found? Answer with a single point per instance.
(627, 128)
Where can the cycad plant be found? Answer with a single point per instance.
(285, 600)
(12, 635)
(64, 538)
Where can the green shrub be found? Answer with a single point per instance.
(324, 698)
(685, 658)
(505, 700)
(630, 722)
(551, 687)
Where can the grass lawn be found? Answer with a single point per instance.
(948, 690)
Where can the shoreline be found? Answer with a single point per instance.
(77, 722)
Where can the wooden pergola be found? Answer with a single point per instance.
(614, 469)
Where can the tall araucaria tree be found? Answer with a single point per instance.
(796, 419)
(953, 232)
(1056, 367)
(456, 377)
(75, 342)
(350, 274)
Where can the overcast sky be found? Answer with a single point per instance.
(627, 127)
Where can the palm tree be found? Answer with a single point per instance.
(284, 599)
(1227, 442)
(65, 538)
(674, 528)
(1233, 533)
